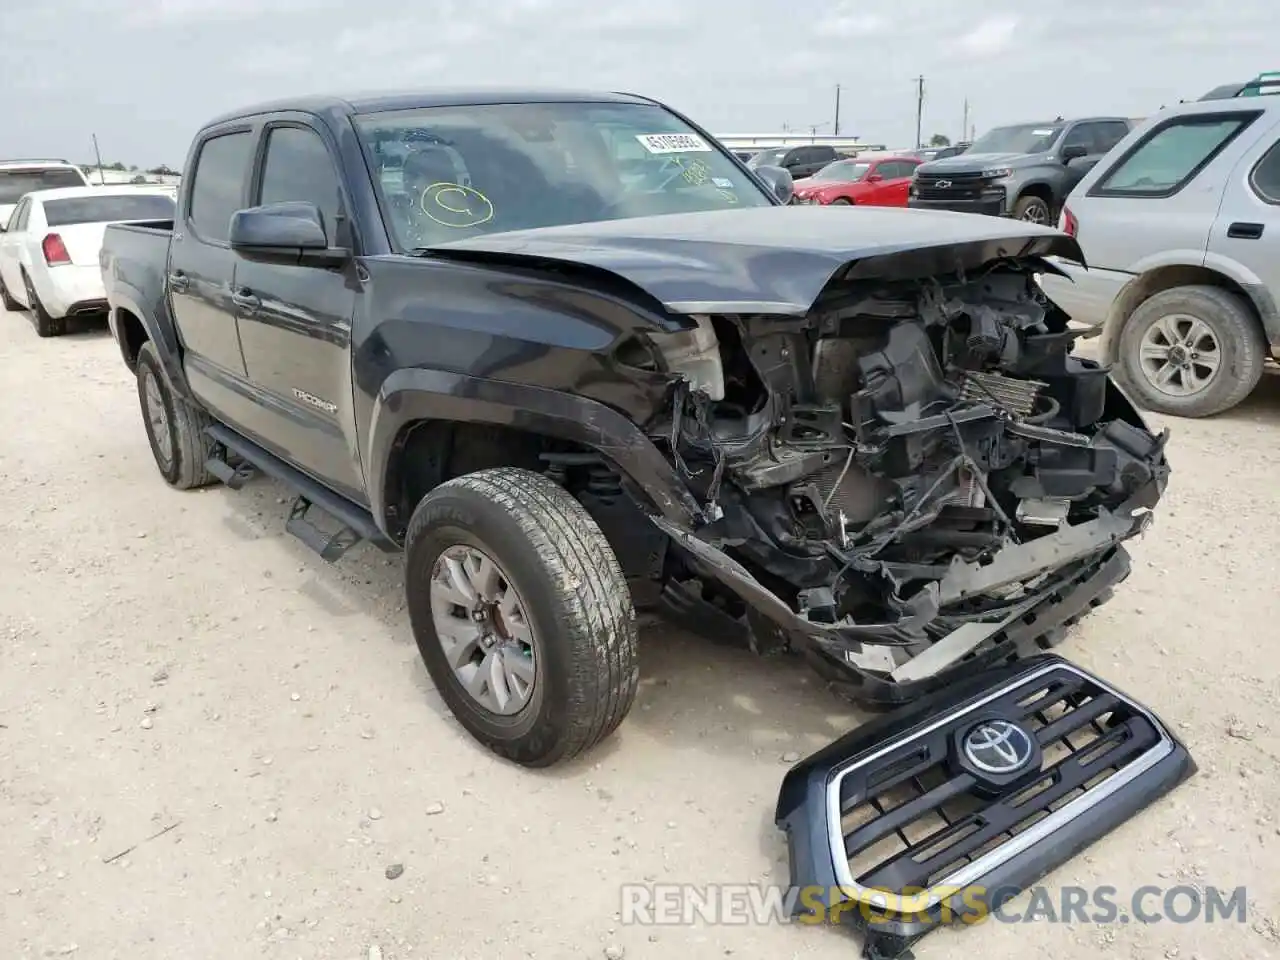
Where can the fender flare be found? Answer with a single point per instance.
(1055, 191)
(161, 333)
(412, 395)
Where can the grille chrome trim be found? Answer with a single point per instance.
(1018, 843)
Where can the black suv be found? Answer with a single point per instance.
(798, 161)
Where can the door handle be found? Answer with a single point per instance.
(1245, 231)
(246, 300)
(178, 282)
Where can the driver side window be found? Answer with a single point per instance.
(1081, 135)
(298, 167)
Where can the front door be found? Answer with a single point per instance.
(295, 321)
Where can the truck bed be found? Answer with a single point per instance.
(134, 260)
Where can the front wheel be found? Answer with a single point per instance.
(842, 202)
(6, 299)
(1032, 209)
(522, 614)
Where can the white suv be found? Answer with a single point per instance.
(20, 177)
(1180, 227)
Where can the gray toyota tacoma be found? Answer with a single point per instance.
(572, 357)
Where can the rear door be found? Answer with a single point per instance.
(1247, 229)
(202, 268)
(295, 321)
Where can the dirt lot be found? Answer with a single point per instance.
(174, 660)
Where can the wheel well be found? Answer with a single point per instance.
(1040, 190)
(132, 335)
(426, 453)
(1138, 291)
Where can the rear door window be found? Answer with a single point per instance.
(1171, 155)
(217, 189)
(1265, 177)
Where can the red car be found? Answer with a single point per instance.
(870, 181)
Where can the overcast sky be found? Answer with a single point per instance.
(144, 74)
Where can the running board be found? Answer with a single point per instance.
(942, 811)
(314, 500)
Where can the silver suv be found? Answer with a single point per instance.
(1180, 226)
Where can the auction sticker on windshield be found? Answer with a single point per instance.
(673, 143)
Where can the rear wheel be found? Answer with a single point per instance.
(842, 201)
(175, 427)
(46, 325)
(1191, 351)
(522, 614)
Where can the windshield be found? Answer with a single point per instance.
(1026, 138)
(844, 171)
(16, 183)
(108, 208)
(769, 158)
(447, 173)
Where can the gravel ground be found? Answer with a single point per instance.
(174, 662)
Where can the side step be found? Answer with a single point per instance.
(313, 499)
(330, 546)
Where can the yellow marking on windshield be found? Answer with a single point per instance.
(454, 216)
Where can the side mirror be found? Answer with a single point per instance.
(874, 177)
(778, 180)
(1074, 152)
(4, 228)
(290, 232)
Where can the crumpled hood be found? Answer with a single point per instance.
(973, 162)
(767, 259)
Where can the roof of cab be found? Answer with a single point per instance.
(376, 102)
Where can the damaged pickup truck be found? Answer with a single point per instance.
(573, 358)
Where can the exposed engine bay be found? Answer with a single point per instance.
(909, 477)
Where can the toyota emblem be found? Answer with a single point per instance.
(998, 747)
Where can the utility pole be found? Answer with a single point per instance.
(919, 108)
(836, 129)
(101, 175)
(964, 127)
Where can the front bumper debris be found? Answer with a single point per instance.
(947, 808)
